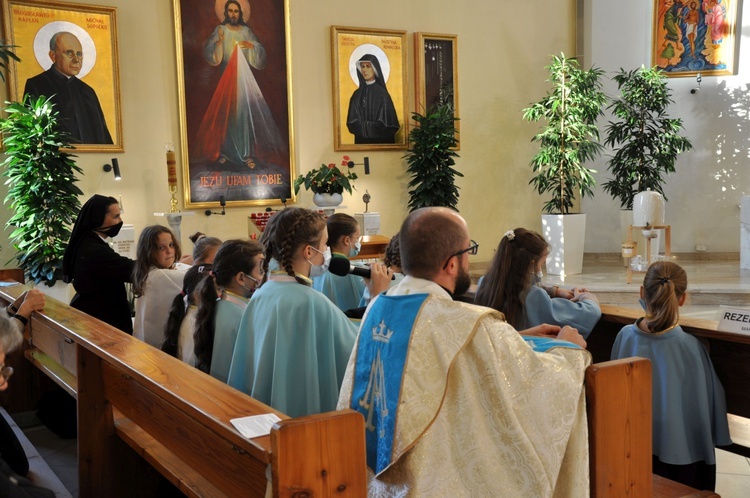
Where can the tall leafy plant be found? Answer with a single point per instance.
(431, 159)
(6, 55)
(42, 187)
(646, 141)
(570, 137)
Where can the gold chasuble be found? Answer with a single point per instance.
(480, 412)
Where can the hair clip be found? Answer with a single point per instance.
(510, 235)
(665, 280)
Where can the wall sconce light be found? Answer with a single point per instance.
(366, 164)
(698, 80)
(116, 166)
(222, 203)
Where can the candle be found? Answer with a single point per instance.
(171, 169)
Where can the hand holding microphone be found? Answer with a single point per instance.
(343, 267)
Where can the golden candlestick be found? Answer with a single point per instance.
(173, 200)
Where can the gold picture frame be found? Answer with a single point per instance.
(235, 101)
(693, 37)
(84, 38)
(376, 119)
(436, 73)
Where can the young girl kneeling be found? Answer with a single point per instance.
(689, 409)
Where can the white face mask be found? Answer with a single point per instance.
(318, 270)
(354, 251)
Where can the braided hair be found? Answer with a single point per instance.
(233, 257)
(293, 228)
(193, 277)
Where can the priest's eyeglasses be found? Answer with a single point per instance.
(473, 249)
(72, 53)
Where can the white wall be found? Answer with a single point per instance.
(704, 194)
(502, 54)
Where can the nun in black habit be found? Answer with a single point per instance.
(98, 273)
(372, 116)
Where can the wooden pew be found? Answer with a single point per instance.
(177, 419)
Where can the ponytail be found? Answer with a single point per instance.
(663, 286)
(180, 303)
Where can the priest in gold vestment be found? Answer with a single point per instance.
(456, 402)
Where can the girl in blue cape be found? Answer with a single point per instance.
(293, 343)
(222, 299)
(344, 240)
(689, 408)
(513, 286)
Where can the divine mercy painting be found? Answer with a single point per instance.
(694, 36)
(233, 62)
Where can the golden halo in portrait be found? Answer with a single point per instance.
(369, 48)
(219, 6)
(42, 38)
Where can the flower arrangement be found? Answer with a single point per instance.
(328, 179)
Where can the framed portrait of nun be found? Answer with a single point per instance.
(370, 110)
(68, 54)
(233, 67)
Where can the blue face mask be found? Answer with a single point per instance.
(354, 251)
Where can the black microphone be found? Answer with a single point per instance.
(342, 267)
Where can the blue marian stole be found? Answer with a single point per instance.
(381, 357)
(544, 344)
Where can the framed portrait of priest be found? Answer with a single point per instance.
(68, 54)
(369, 89)
(233, 72)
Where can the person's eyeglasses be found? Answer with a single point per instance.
(473, 249)
(72, 53)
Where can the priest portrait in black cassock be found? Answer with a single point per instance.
(81, 113)
(372, 116)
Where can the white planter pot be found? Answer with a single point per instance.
(327, 200)
(565, 234)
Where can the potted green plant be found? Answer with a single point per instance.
(43, 193)
(568, 140)
(646, 142)
(430, 159)
(327, 183)
(6, 55)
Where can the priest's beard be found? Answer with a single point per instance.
(463, 282)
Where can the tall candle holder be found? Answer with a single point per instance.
(172, 177)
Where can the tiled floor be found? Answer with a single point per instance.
(711, 284)
(60, 454)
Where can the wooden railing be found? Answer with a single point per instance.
(177, 421)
